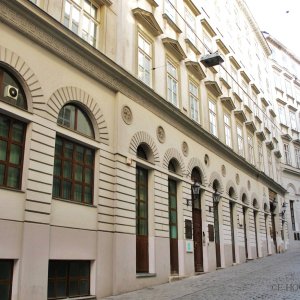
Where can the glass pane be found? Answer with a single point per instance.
(61, 288)
(89, 157)
(57, 167)
(51, 289)
(66, 115)
(15, 154)
(85, 24)
(4, 126)
(173, 217)
(68, 150)
(79, 153)
(67, 8)
(93, 11)
(17, 132)
(13, 177)
(74, 269)
(88, 196)
(85, 269)
(61, 268)
(78, 173)
(173, 232)
(67, 169)
(4, 292)
(5, 270)
(83, 124)
(142, 209)
(56, 187)
(58, 146)
(78, 193)
(143, 228)
(73, 288)
(67, 188)
(87, 6)
(2, 169)
(75, 15)
(84, 287)
(88, 176)
(173, 202)
(3, 147)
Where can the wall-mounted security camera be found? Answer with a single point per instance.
(11, 92)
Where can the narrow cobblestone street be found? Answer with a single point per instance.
(272, 277)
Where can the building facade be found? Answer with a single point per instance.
(124, 161)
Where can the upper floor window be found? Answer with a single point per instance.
(170, 9)
(172, 83)
(194, 101)
(260, 157)
(208, 43)
(212, 118)
(80, 16)
(281, 112)
(288, 88)
(293, 120)
(250, 149)
(144, 60)
(6, 276)
(73, 177)
(287, 155)
(297, 157)
(270, 163)
(277, 80)
(240, 140)
(190, 26)
(10, 90)
(227, 128)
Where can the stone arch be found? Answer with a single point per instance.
(173, 153)
(143, 137)
(71, 94)
(231, 184)
(26, 77)
(243, 191)
(291, 189)
(196, 163)
(216, 176)
(254, 201)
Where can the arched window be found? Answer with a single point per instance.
(141, 152)
(10, 89)
(73, 177)
(173, 165)
(12, 132)
(74, 118)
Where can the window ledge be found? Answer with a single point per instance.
(145, 275)
(74, 202)
(12, 189)
(81, 298)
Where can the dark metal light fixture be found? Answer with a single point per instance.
(211, 60)
(283, 210)
(195, 193)
(216, 197)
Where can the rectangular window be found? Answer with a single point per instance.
(293, 120)
(170, 9)
(240, 140)
(172, 83)
(68, 278)
(208, 43)
(292, 215)
(297, 157)
(12, 142)
(288, 88)
(227, 128)
(270, 163)
(277, 80)
(287, 155)
(250, 149)
(80, 16)
(281, 112)
(212, 118)
(260, 157)
(190, 26)
(144, 60)
(6, 275)
(73, 177)
(194, 101)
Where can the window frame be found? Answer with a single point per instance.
(297, 157)
(194, 101)
(270, 163)
(227, 129)
(240, 140)
(212, 116)
(261, 165)
(145, 55)
(8, 281)
(173, 79)
(170, 10)
(190, 26)
(251, 149)
(287, 155)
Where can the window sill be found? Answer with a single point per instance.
(81, 298)
(145, 275)
(12, 189)
(74, 202)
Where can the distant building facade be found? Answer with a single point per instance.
(124, 161)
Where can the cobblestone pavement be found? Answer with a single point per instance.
(273, 277)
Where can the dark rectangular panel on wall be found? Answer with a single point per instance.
(211, 232)
(188, 229)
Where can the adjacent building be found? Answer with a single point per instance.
(125, 159)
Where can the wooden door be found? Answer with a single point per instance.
(245, 232)
(173, 227)
(142, 253)
(197, 236)
(232, 233)
(217, 235)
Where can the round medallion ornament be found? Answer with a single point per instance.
(237, 178)
(161, 135)
(185, 148)
(206, 159)
(127, 115)
(223, 169)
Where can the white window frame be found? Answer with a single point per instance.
(250, 149)
(172, 83)
(240, 140)
(261, 165)
(144, 56)
(293, 120)
(190, 26)
(227, 130)
(212, 111)
(297, 157)
(287, 154)
(78, 6)
(270, 163)
(288, 88)
(170, 9)
(194, 100)
(281, 112)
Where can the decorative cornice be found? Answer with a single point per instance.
(46, 32)
(213, 87)
(195, 68)
(208, 28)
(174, 47)
(222, 46)
(228, 103)
(191, 5)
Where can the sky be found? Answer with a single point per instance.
(280, 18)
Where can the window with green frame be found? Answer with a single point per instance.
(12, 142)
(6, 276)
(73, 176)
